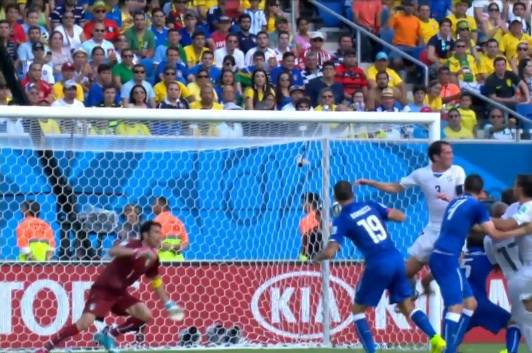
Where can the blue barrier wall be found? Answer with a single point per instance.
(238, 203)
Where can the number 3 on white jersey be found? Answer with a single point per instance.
(374, 228)
(453, 209)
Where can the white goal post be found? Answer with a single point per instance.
(240, 199)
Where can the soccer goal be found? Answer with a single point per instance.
(237, 180)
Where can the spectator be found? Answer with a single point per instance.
(67, 73)
(230, 48)
(441, 45)
(467, 114)
(95, 97)
(434, 100)
(273, 14)
(525, 73)
(25, 50)
(161, 88)
(39, 56)
(282, 90)
(35, 237)
(522, 54)
(505, 87)
(310, 226)
(161, 53)
(302, 37)
(464, 66)
(288, 65)
(383, 82)
(281, 26)
(511, 40)
(139, 74)
(132, 128)
(8, 41)
(73, 34)
(262, 45)
(138, 97)
(459, 14)
(176, 11)
(439, 8)
(316, 45)
(202, 79)
(130, 229)
(140, 39)
(494, 26)
(59, 54)
(172, 100)
(32, 19)
(429, 27)
(59, 12)
(18, 34)
(311, 70)
(419, 93)
(388, 101)
(191, 26)
(69, 96)
(450, 92)
(110, 100)
(246, 39)
(351, 77)
(497, 129)
(259, 62)
(486, 58)
(345, 45)
(283, 45)
(173, 232)
(219, 36)
(407, 31)
(381, 64)
(228, 78)
(34, 77)
(296, 93)
(259, 90)
(206, 100)
(520, 12)
(326, 101)
(207, 64)
(359, 102)
(454, 129)
(229, 99)
(97, 58)
(258, 18)
(98, 40)
(194, 51)
(158, 27)
(215, 14)
(123, 71)
(367, 13)
(99, 10)
(465, 34)
(303, 104)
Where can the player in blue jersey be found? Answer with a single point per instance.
(462, 214)
(364, 224)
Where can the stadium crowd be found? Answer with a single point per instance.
(243, 54)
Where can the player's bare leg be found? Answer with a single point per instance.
(409, 310)
(85, 321)
(140, 315)
(362, 328)
(526, 325)
(413, 266)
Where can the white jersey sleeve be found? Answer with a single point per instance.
(524, 214)
(410, 180)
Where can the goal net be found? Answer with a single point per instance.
(236, 180)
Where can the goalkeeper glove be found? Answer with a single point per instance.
(175, 312)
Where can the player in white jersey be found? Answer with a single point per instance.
(520, 285)
(440, 182)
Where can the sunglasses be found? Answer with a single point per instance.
(202, 76)
(99, 30)
(169, 73)
(139, 71)
(460, 46)
(493, 9)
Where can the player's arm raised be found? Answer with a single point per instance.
(175, 312)
(122, 250)
(393, 188)
(396, 215)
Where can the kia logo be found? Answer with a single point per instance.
(290, 305)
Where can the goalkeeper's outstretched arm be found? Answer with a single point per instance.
(174, 311)
(392, 188)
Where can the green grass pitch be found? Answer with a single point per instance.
(471, 348)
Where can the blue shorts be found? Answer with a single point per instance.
(489, 316)
(450, 277)
(384, 273)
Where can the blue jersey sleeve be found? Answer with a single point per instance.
(381, 209)
(482, 213)
(338, 231)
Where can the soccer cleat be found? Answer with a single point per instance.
(105, 339)
(437, 344)
(504, 351)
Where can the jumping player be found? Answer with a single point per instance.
(364, 224)
(440, 182)
(109, 293)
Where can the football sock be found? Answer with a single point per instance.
(65, 333)
(422, 321)
(513, 336)
(463, 325)
(451, 329)
(364, 333)
(131, 324)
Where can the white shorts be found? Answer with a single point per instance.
(519, 288)
(424, 244)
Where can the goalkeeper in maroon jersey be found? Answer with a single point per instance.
(109, 293)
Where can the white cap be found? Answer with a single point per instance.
(317, 34)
